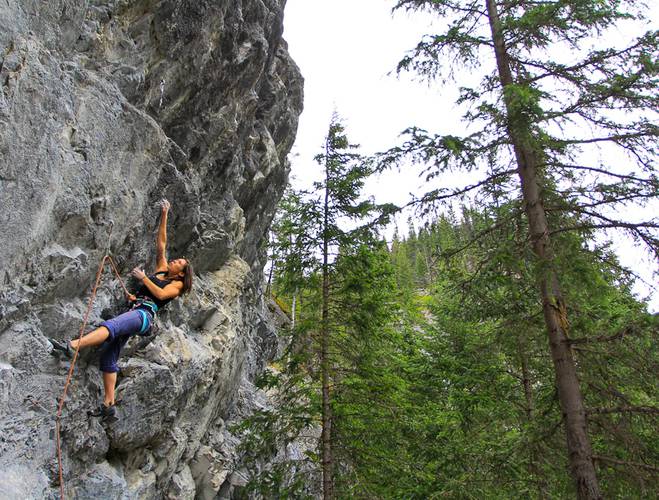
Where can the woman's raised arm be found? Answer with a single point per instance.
(161, 239)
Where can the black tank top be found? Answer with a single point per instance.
(145, 293)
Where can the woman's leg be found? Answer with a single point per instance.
(95, 337)
(109, 383)
(108, 364)
(115, 333)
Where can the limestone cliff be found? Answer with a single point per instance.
(106, 107)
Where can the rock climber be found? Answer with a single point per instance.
(169, 280)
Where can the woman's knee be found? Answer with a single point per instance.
(109, 328)
(108, 361)
(111, 368)
(105, 331)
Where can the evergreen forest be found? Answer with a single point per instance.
(492, 347)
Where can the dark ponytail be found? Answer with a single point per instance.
(187, 278)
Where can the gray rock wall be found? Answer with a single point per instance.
(106, 107)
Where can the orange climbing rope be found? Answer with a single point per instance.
(106, 258)
(116, 272)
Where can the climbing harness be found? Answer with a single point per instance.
(145, 303)
(99, 273)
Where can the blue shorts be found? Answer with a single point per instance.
(121, 328)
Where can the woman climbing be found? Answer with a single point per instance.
(169, 280)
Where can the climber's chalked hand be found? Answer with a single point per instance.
(138, 273)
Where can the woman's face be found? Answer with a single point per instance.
(177, 266)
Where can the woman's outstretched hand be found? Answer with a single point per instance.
(131, 297)
(165, 205)
(138, 273)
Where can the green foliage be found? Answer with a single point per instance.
(326, 256)
(578, 124)
(590, 115)
(442, 385)
(477, 432)
(430, 365)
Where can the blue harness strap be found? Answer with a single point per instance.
(146, 303)
(145, 321)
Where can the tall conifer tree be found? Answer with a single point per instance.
(544, 106)
(313, 227)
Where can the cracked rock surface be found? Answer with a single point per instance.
(105, 108)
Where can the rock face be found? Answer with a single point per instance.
(106, 107)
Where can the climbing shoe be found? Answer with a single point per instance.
(62, 347)
(104, 412)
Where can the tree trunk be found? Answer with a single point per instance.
(293, 308)
(326, 434)
(269, 287)
(569, 391)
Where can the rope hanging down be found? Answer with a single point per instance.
(99, 273)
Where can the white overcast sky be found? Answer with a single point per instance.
(347, 51)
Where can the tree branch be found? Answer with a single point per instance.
(611, 138)
(603, 338)
(623, 409)
(600, 458)
(434, 196)
(566, 72)
(599, 171)
(623, 225)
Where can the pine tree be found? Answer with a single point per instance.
(345, 174)
(545, 114)
(311, 230)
